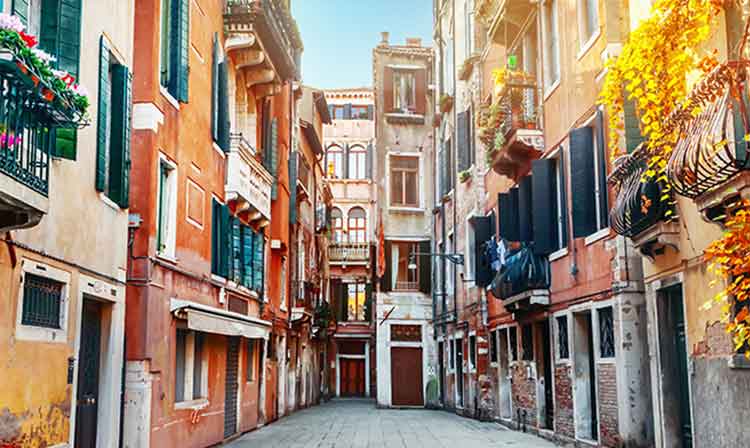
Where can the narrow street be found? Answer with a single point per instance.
(357, 423)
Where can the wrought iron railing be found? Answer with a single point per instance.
(640, 203)
(519, 108)
(523, 271)
(349, 252)
(712, 147)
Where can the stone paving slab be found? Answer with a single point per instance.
(358, 424)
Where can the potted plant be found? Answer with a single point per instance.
(464, 175)
(529, 118)
(446, 103)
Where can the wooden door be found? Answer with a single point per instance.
(231, 386)
(87, 395)
(352, 377)
(406, 376)
(681, 367)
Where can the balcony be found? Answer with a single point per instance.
(248, 186)
(710, 162)
(511, 126)
(263, 40)
(30, 110)
(349, 253)
(523, 282)
(503, 19)
(643, 211)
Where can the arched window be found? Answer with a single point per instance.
(357, 225)
(337, 225)
(357, 162)
(335, 162)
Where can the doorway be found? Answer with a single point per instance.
(547, 409)
(352, 377)
(460, 372)
(584, 381)
(678, 429)
(503, 374)
(231, 386)
(89, 363)
(441, 373)
(406, 376)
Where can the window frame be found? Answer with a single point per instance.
(357, 162)
(469, 266)
(551, 44)
(25, 332)
(407, 285)
(411, 107)
(189, 399)
(557, 323)
(337, 231)
(250, 364)
(494, 347)
(335, 159)
(166, 249)
(353, 227)
(588, 22)
(600, 311)
(599, 195)
(472, 352)
(349, 315)
(403, 173)
(358, 110)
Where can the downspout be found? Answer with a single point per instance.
(454, 163)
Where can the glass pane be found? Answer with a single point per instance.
(409, 163)
(397, 187)
(411, 189)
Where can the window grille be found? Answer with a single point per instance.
(527, 342)
(493, 347)
(42, 302)
(513, 343)
(606, 333)
(562, 338)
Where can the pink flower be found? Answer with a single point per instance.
(80, 90)
(10, 22)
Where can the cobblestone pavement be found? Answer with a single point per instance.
(357, 423)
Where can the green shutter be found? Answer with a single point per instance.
(274, 159)
(223, 116)
(49, 29)
(21, 9)
(119, 166)
(293, 160)
(247, 256)
(215, 236)
(236, 251)
(225, 247)
(69, 42)
(368, 302)
(633, 136)
(258, 262)
(178, 83)
(103, 112)
(215, 89)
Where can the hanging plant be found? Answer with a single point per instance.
(446, 103)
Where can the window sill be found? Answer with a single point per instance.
(551, 89)
(589, 43)
(171, 259)
(218, 149)
(558, 254)
(406, 209)
(606, 361)
(194, 405)
(109, 202)
(598, 235)
(168, 96)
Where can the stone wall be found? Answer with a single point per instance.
(607, 397)
(524, 392)
(564, 412)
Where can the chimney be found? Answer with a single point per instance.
(413, 41)
(384, 37)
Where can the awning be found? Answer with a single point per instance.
(217, 321)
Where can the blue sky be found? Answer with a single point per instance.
(339, 36)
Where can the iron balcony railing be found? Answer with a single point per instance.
(518, 108)
(640, 203)
(523, 271)
(349, 252)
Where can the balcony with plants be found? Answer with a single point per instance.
(509, 127)
(37, 100)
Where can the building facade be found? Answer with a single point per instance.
(64, 219)
(404, 105)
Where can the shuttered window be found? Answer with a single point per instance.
(525, 209)
(113, 127)
(588, 179)
(404, 177)
(236, 249)
(223, 122)
(175, 17)
(293, 164)
(483, 228)
(544, 195)
(357, 162)
(509, 228)
(215, 61)
(464, 140)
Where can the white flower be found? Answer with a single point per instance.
(10, 22)
(79, 89)
(43, 55)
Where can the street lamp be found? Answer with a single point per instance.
(453, 258)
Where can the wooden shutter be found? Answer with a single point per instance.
(387, 89)
(633, 136)
(370, 112)
(235, 265)
(259, 267)
(69, 42)
(215, 236)
(508, 215)
(266, 134)
(601, 150)
(225, 246)
(563, 189)
(330, 110)
(21, 9)
(247, 256)
(274, 157)
(345, 157)
(119, 163)
(525, 222)
(421, 91)
(223, 103)
(49, 29)
(483, 231)
(582, 181)
(180, 46)
(293, 161)
(425, 267)
(103, 114)
(215, 89)
(544, 195)
(370, 155)
(462, 141)
(368, 302)
(347, 111)
(385, 281)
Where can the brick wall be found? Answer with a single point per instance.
(564, 413)
(607, 382)
(524, 391)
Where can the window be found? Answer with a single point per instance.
(448, 67)
(357, 225)
(360, 113)
(404, 181)
(527, 342)
(588, 20)
(173, 62)
(563, 350)
(357, 162)
(450, 270)
(470, 260)
(335, 162)
(606, 333)
(237, 251)
(338, 112)
(472, 352)
(191, 367)
(513, 340)
(166, 212)
(405, 266)
(113, 127)
(550, 38)
(404, 91)
(250, 360)
(469, 27)
(493, 346)
(561, 202)
(337, 223)
(356, 295)
(600, 175)
(42, 302)
(452, 354)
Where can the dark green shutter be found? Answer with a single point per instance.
(49, 29)
(347, 111)
(425, 267)
(582, 181)
(69, 42)
(236, 251)
(525, 222)
(369, 162)
(633, 136)
(330, 110)
(274, 158)
(215, 236)
(601, 150)
(223, 118)
(180, 45)
(483, 232)
(21, 9)
(247, 256)
(368, 302)
(385, 281)
(462, 141)
(103, 114)
(544, 195)
(119, 165)
(293, 161)
(215, 89)
(563, 189)
(225, 242)
(258, 262)
(370, 112)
